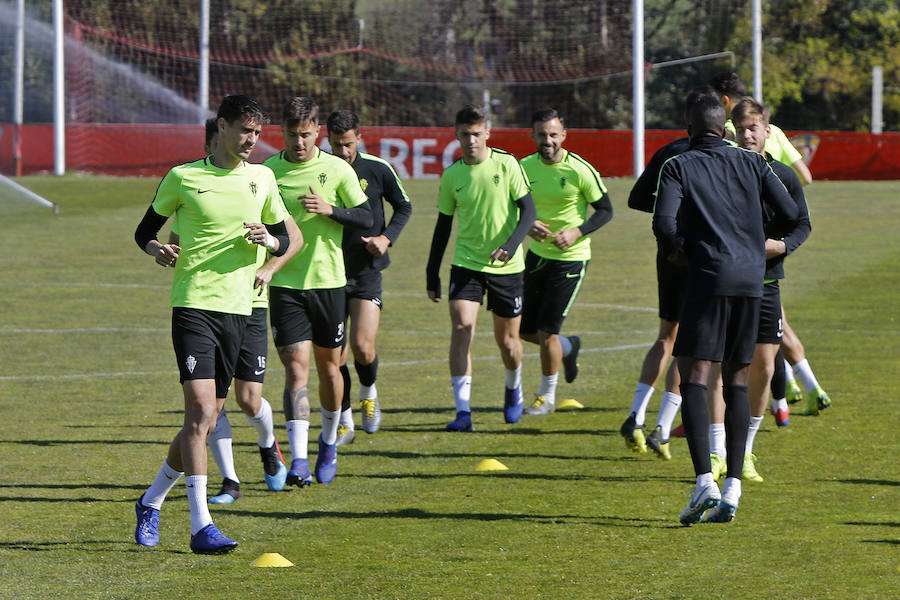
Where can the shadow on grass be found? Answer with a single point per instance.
(872, 523)
(85, 546)
(103, 442)
(418, 513)
(866, 481)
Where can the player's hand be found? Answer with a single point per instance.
(500, 254)
(257, 234)
(434, 295)
(166, 254)
(313, 203)
(540, 231)
(774, 248)
(566, 237)
(262, 279)
(377, 245)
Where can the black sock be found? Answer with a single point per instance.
(737, 419)
(695, 416)
(367, 373)
(779, 380)
(345, 402)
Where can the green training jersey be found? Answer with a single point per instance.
(484, 198)
(320, 262)
(562, 193)
(777, 144)
(216, 267)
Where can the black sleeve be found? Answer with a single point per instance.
(603, 212)
(279, 232)
(527, 215)
(358, 216)
(643, 194)
(798, 234)
(148, 228)
(395, 196)
(439, 242)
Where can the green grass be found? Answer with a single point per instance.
(89, 400)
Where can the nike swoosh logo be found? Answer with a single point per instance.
(260, 372)
(459, 188)
(573, 275)
(204, 191)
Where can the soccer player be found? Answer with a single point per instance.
(225, 208)
(489, 191)
(365, 256)
(751, 122)
(307, 299)
(723, 246)
(670, 289)
(562, 185)
(731, 89)
(248, 378)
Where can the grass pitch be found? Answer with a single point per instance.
(89, 400)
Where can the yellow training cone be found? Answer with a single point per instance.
(569, 403)
(271, 559)
(491, 464)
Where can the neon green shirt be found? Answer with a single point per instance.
(562, 193)
(217, 265)
(777, 144)
(320, 262)
(483, 196)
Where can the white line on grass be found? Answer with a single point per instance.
(404, 363)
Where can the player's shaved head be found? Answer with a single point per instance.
(707, 117)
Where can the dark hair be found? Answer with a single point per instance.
(707, 116)
(542, 115)
(695, 94)
(240, 107)
(342, 121)
(749, 107)
(212, 128)
(728, 84)
(470, 115)
(299, 110)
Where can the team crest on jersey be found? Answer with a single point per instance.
(363, 183)
(562, 182)
(323, 178)
(496, 179)
(190, 362)
(253, 188)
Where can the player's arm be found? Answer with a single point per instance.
(527, 215)
(665, 226)
(145, 236)
(802, 171)
(439, 241)
(295, 242)
(643, 194)
(776, 196)
(274, 238)
(798, 234)
(603, 212)
(395, 195)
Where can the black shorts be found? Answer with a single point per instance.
(251, 364)
(365, 285)
(301, 315)
(550, 290)
(718, 328)
(770, 326)
(207, 344)
(671, 286)
(504, 292)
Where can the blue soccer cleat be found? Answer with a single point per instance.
(273, 467)
(230, 492)
(326, 462)
(299, 473)
(147, 531)
(513, 405)
(462, 422)
(702, 499)
(210, 540)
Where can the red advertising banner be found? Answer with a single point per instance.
(419, 153)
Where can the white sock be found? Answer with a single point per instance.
(717, 439)
(788, 371)
(642, 393)
(163, 483)
(219, 442)
(196, 493)
(329, 425)
(548, 387)
(705, 480)
(751, 433)
(780, 404)
(731, 491)
(298, 437)
(264, 425)
(514, 377)
(804, 373)
(367, 391)
(566, 345)
(347, 419)
(462, 392)
(668, 410)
